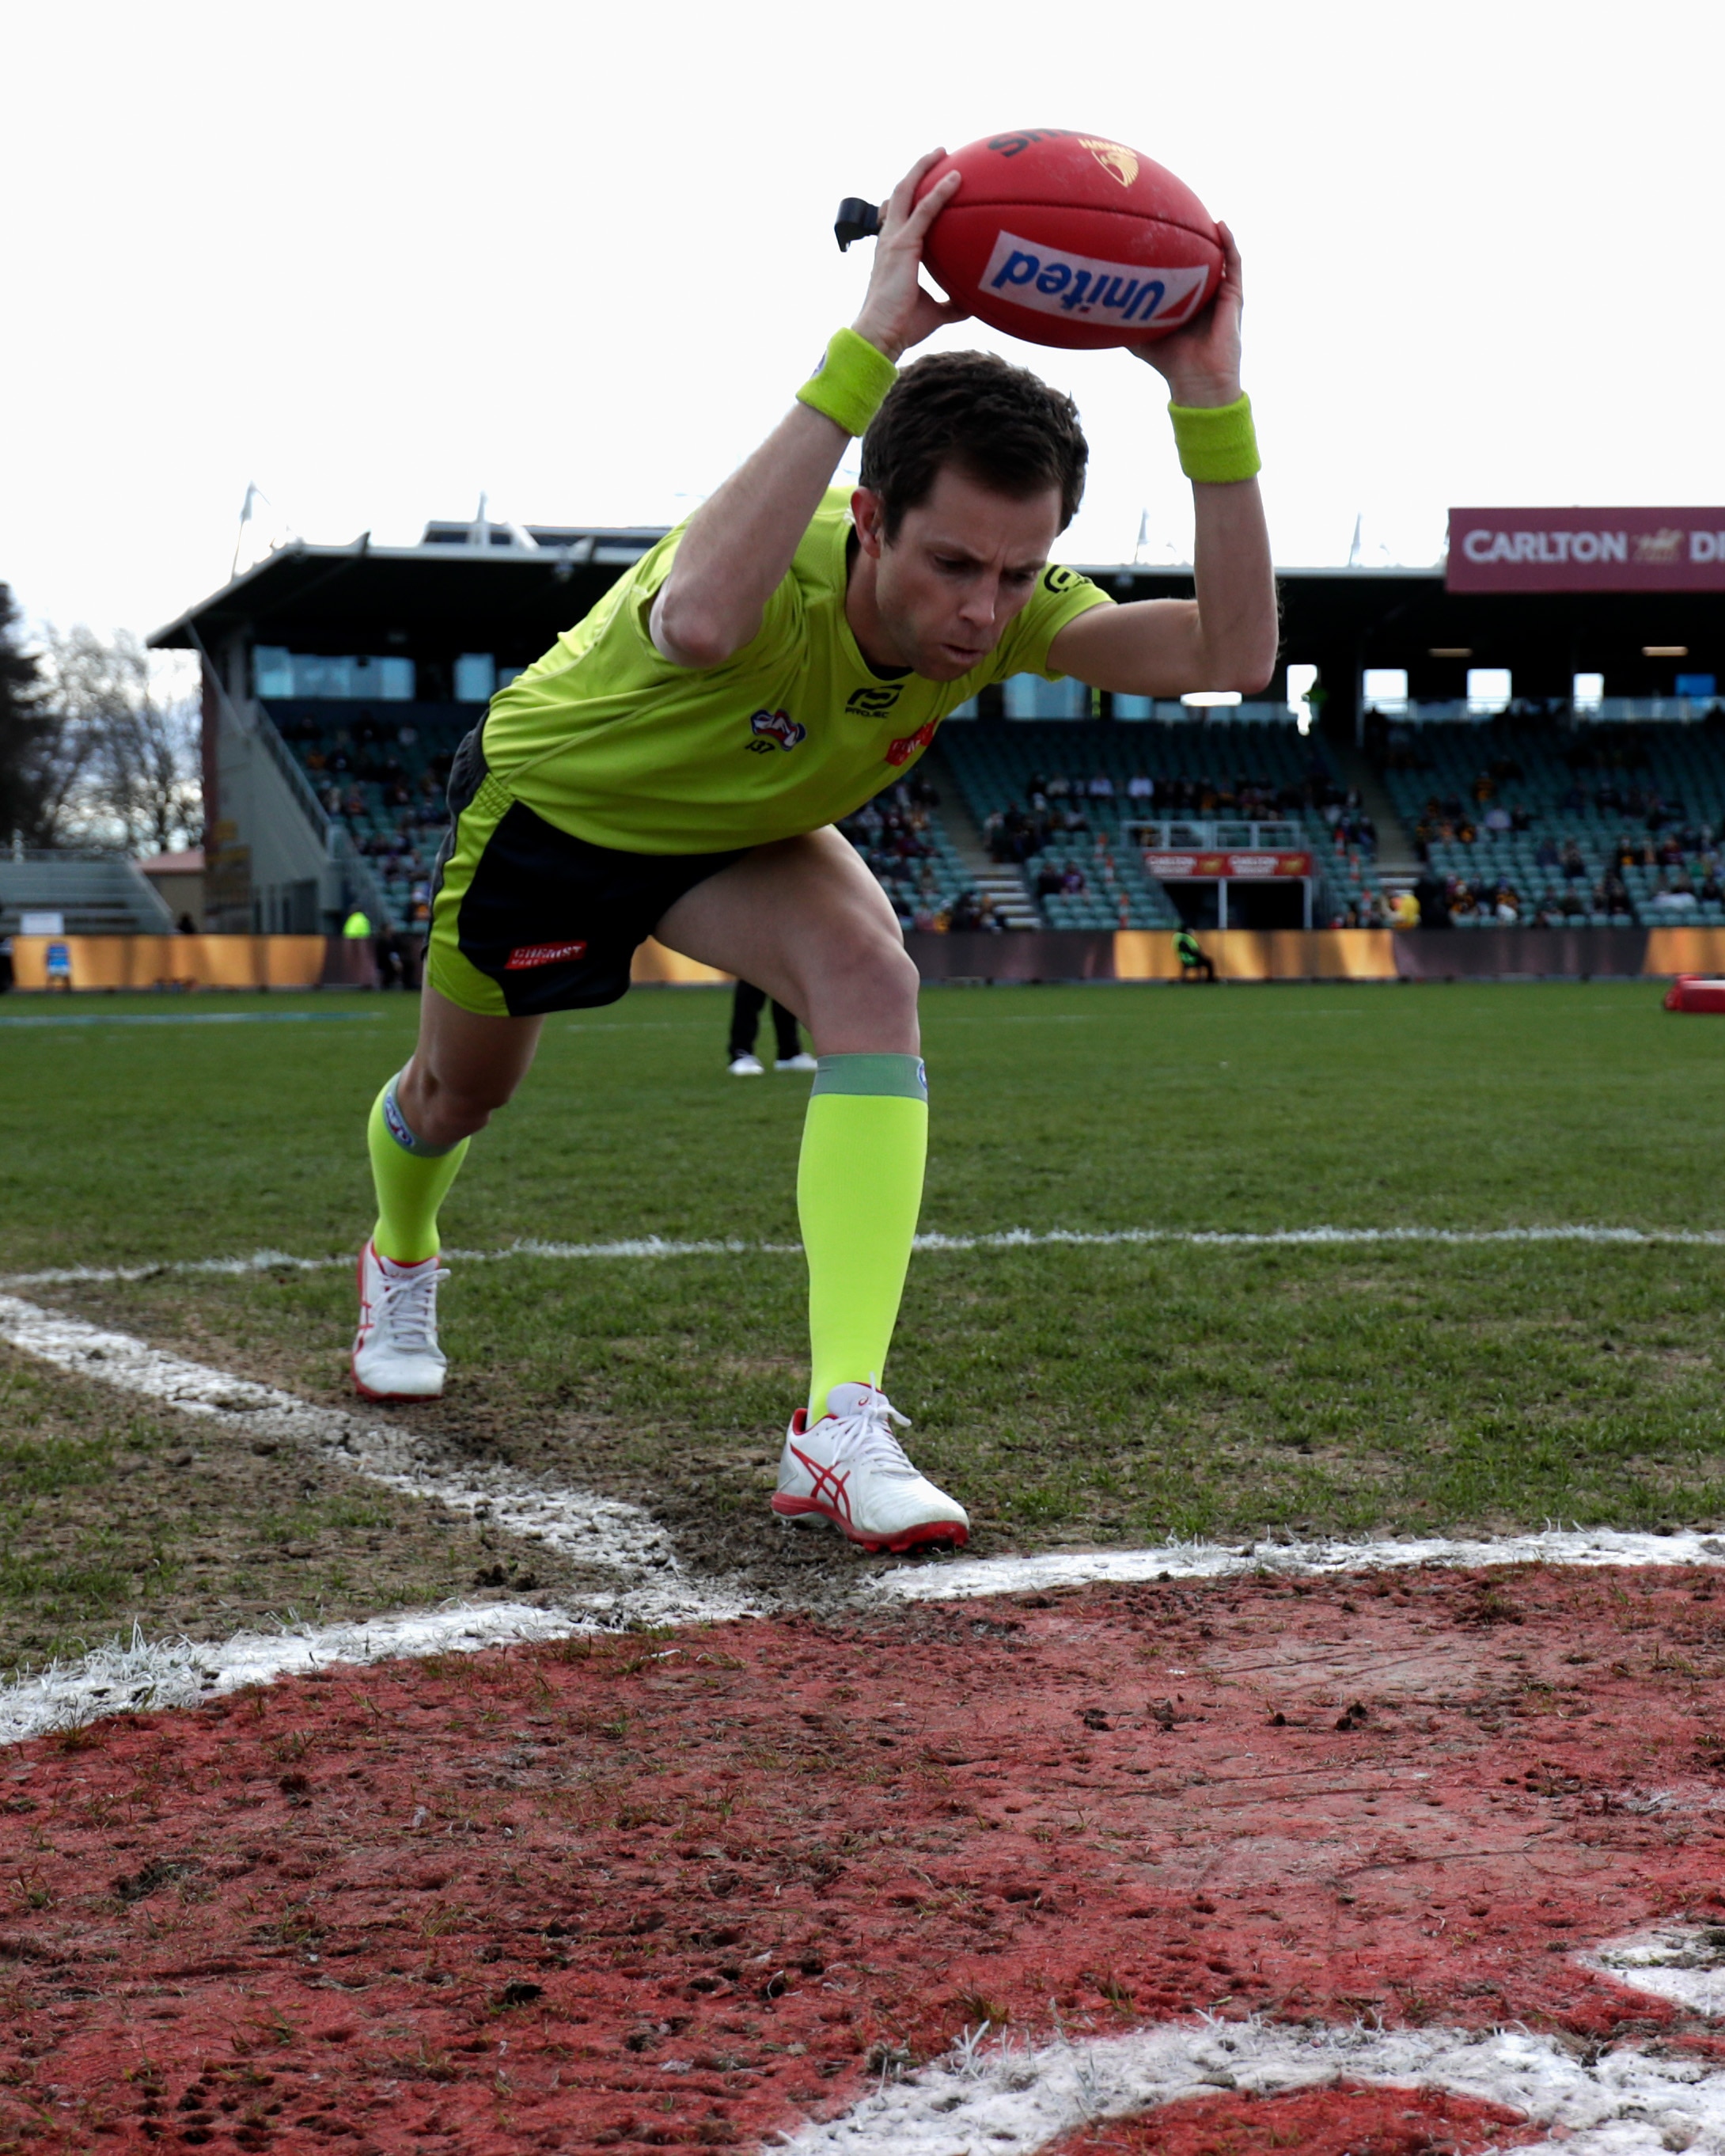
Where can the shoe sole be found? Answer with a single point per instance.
(804, 1513)
(366, 1393)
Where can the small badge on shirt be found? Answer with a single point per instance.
(526, 956)
(910, 745)
(774, 730)
(871, 703)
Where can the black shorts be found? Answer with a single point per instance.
(526, 919)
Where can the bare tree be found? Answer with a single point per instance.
(127, 772)
(38, 759)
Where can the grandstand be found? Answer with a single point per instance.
(339, 680)
(1603, 824)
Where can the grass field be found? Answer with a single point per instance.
(1068, 1393)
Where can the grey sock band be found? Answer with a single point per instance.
(903, 1077)
(395, 1123)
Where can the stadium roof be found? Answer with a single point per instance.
(511, 591)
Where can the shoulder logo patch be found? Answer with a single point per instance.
(1056, 579)
(774, 730)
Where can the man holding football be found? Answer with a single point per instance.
(674, 766)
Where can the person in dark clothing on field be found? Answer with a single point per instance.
(1195, 963)
(745, 1010)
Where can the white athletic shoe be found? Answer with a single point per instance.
(805, 1061)
(849, 1468)
(396, 1355)
(746, 1066)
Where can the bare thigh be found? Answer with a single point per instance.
(463, 1068)
(806, 921)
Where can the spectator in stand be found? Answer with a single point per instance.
(1550, 911)
(1059, 786)
(1545, 854)
(1507, 908)
(1102, 786)
(1668, 897)
(1050, 881)
(1710, 893)
(987, 919)
(1611, 893)
(965, 914)
(1520, 819)
(1572, 903)
(1072, 881)
(1140, 787)
(1573, 865)
(1497, 820)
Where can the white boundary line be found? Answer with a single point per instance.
(1020, 2100)
(621, 1539)
(933, 1243)
(962, 1579)
(152, 1673)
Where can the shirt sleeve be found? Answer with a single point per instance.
(781, 621)
(1060, 596)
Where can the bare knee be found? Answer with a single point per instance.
(441, 1111)
(861, 998)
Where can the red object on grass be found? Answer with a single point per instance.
(1072, 239)
(1695, 992)
(696, 1890)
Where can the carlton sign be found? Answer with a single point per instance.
(1586, 550)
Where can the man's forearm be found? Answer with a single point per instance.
(740, 542)
(1234, 584)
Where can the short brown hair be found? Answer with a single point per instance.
(997, 423)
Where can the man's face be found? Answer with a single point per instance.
(959, 568)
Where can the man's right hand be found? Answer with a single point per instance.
(896, 312)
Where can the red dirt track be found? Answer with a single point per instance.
(695, 1890)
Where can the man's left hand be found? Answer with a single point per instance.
(1200, 363)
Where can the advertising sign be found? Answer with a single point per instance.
(1586, 550)
(1237, 866)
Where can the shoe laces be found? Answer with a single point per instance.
(409, 1307)
(865, 1437)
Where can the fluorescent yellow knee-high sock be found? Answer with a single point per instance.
(859, 1188)
(413, 1181)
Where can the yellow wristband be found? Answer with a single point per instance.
(1216, 443)
(851, 384)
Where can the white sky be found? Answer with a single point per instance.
(378, 256)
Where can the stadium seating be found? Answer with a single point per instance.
(1648, 799)
(1253, 782)
(381, 770)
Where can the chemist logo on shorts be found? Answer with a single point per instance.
(526, 956)
(774, 730)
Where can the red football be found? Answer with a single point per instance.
(1071, 239)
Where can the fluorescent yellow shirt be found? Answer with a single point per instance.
(606, 739)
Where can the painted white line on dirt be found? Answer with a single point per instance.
(1009, 2100)
(1682, 1963)
(933, 1244)
(965, 1577)
(600, 1531)
(169, 1673)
